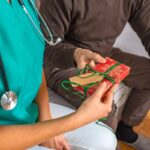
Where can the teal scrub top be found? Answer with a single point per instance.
(21, 48)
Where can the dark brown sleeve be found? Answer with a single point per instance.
(140, 22)
(57, 14)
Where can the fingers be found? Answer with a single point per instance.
(97, 58)
(109, 96)
(100, 90)
(82, 62)
(66, 146)
(85, 56)
(92, 63)
(79, 57)
(62, 144)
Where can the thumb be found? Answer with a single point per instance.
(81, 63)
(109, 96)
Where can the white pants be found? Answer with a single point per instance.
(89, 137)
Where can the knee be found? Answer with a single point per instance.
(94, 137)
(107, 142)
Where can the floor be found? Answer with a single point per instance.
(143, 128)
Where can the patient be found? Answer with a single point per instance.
(88, 29)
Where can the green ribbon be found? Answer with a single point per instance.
(88, 68)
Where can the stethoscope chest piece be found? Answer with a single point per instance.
(9, 100)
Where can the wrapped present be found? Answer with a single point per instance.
(110, 72)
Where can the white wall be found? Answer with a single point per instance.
(130, 42)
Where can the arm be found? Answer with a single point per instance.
(24, 136)
(140, 21)
(58, 16)
(42, 101)
(30, 135)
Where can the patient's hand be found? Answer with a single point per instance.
(57, 143)
(85, 56)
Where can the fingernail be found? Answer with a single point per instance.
(103, 60)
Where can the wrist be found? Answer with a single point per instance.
(74, 120)
(80, 117)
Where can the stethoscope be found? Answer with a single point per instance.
(9, 98)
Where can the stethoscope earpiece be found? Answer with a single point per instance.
(58, 40)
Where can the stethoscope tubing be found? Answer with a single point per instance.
(51, 42)
(3, 73)
(8, 100)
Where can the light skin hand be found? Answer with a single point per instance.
(97, 106)
(91, 110)
(42, 100)
(85, 56)
(58, 143)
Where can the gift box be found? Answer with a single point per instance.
(110, 72)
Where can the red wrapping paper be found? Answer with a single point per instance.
(118, 74)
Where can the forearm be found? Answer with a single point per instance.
(60, 25)
(20, 137)
(42, 101)
(26, 136)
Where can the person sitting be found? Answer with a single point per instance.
(88, 29)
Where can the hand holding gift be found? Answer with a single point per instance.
(89, 78)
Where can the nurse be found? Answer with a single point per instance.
(29, 122)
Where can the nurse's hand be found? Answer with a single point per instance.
(57, 143)
(85, 56)
(96, 106)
